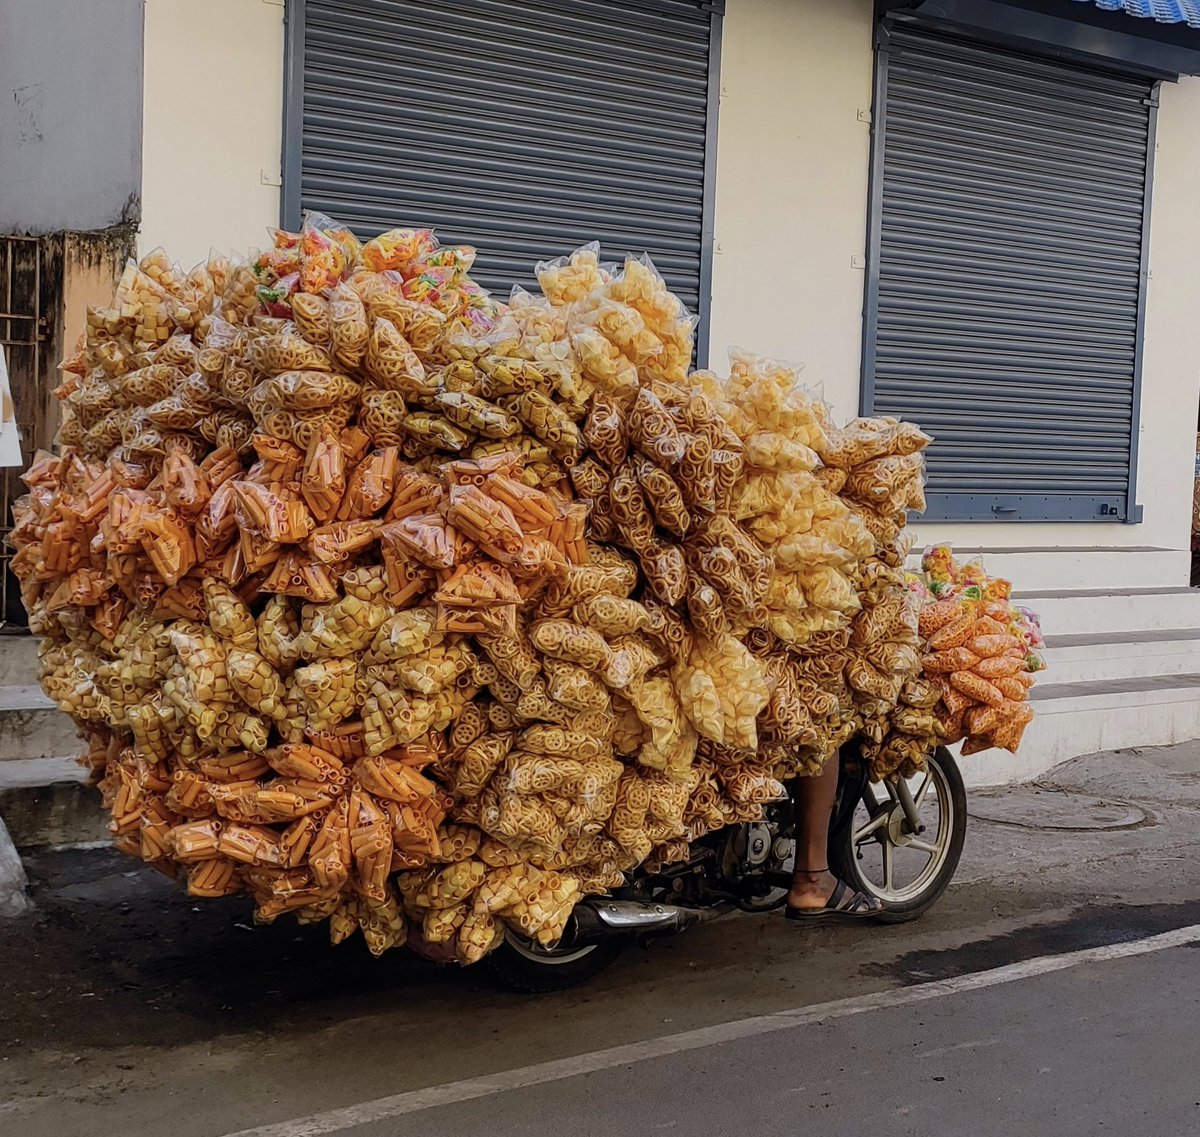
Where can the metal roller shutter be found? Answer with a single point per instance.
(1004, 307)
(523, 127)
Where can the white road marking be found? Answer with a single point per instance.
(449, 1093)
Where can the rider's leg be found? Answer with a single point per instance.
(812, 882)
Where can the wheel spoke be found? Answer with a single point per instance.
(923, 846)
(874, 825)
(889, 857)
(919, 797)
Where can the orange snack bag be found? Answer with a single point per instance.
(956, 659)
(954, 634)
(168, 543)
(323, 482)
(979, 689)
(371, 484)
(988, 646)
(1000, 665)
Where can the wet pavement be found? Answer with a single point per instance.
(130, 1008)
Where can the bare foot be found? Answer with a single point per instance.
(811, 889)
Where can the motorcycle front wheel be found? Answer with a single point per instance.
(877, 852)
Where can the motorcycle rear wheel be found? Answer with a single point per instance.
(525, 965)
(877, 834)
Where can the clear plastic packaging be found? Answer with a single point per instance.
(167, 541)
(371, 484)
(630, 512)
(398, 248)
(663, 496)
(391, 362)
(313, 318)
(450, 716)
(323, 481)
(666, 571)
(349, 329)
(564, 639)
(426, 537)
(477, 415)
(547, 421)
(653, 431)
(572, 278)
(287, 350)
(603, 364)
(302, 391)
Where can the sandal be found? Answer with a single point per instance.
(844, 905)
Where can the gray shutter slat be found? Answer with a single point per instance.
(908, 306)
(938, 283)
(1006, 274)
(523, 128)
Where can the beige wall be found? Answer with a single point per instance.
(213, 110)
(1171, 368)
(793, 158)
(791, 211)
(792, 162)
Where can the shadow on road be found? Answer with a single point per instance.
(1087, 927)
(170, 969)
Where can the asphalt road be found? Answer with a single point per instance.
(128, 1009)
(1108, 1047)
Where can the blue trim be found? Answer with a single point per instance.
(1085, 35)
(1160, 11)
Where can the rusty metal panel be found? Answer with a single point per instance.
(25, 338)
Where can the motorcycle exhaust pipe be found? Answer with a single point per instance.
(599, 918)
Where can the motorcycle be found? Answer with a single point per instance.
(901, 845)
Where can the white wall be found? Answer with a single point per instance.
(213, 111)
(792, 167)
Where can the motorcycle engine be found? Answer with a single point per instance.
(757, 841)
(753, 850)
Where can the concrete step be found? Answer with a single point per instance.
(25, 698)
(46, 801)
(18, 660)
(43, 798)
(1122, 655)
(1071, 612)
(1035, 568)
(31, 726)
(1087, 717)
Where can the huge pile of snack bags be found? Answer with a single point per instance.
(393, 605)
